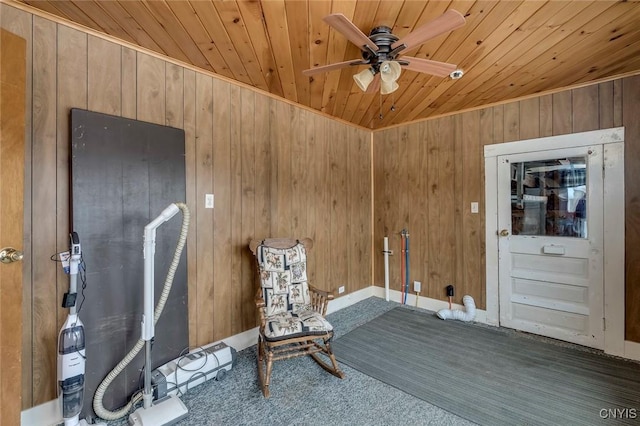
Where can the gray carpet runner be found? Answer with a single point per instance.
(493, 376)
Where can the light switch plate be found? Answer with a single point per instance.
(208, 201)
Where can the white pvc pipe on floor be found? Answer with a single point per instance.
(457, 314)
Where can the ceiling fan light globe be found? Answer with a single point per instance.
(363, 79)
(390, 71)
(387, 87)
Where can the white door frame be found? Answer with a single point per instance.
(613, 147)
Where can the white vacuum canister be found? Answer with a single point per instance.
(71, 362)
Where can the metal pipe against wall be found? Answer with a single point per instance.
(386, 268)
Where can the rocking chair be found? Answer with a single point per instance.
(292, 312)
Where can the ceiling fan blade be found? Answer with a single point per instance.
(448, 21)
(331, 67)
(344, 26)
(439, 69)
(374, 86)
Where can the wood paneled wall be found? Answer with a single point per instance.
(426, 175)
(275, 170)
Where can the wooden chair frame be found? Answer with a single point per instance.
(312, 345)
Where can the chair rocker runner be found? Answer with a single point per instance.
(292, 312)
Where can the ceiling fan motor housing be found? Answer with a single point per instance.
(383, 38)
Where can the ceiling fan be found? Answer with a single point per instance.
(381, 50)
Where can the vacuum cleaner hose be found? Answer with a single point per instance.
(98, 406)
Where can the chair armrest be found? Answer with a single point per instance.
(320, 299)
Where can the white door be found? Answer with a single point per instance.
(550, 249)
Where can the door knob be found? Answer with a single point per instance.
(9, 255)
(504, 233)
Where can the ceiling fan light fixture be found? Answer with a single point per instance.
(387, 87)
(390, 71)
(364, 78)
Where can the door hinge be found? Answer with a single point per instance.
(604, 324)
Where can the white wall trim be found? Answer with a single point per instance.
(614, 297)
(614, 246)
(631, 350)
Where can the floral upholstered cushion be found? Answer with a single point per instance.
(283, 278)
(286, 325)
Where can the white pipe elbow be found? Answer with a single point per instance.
(468, 315)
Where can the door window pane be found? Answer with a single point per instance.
(549, 197)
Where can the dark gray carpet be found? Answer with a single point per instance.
(491, 376)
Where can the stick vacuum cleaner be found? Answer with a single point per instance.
(71, 346)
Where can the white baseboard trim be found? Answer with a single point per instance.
(47, 414)
(350, 299)
(632, 350)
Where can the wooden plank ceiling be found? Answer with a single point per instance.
(507, 49)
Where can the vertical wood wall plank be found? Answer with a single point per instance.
(585, 108)
(472, 158)
(562, 123)
(434, 192)
(282, 140)
(605, 94)
(617, 103)
(498, 124)
(45, 298)
(458, 164)
(447, 232)
(529, 118)
(486, 138)
(223, 220)
(174, 96)
(190, 149)
(322, 202)
(262, 168)
(204, 222)
(150, 82)
(71, 93)
(248, 207)
(546, 115)
(235, 174)
(416, 211)
(298, 195)
(104, 76)
(129, 79)
(511, 122)
(311, 214)
(339, 227)
(423, 215)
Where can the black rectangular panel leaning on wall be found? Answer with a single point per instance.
(123, 174)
